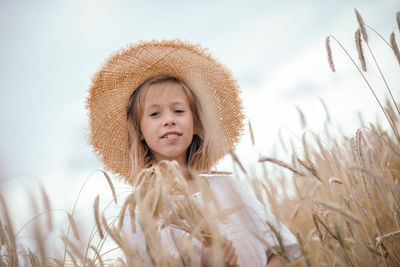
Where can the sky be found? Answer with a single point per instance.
(49, 51)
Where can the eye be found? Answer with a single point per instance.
(179, 111)
(154, 114)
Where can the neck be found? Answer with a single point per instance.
(183, 165)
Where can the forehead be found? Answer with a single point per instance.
(161, 93)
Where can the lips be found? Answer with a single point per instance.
(171, 135)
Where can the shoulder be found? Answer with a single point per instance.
(216, 175)
(224, 186)
(223, 178)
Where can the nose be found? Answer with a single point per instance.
(169, 119)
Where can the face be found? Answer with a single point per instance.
(167, 122)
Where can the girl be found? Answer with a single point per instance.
(159, 102)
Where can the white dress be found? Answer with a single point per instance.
(244, 227)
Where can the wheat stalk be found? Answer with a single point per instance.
(237, 161)
(97, 216)
(12, 246)
(282, 164)
(395, 48)
(98, 256)
(73, 226)
(360, 51)
(340, 210)
(380, 239)
(302, 118)
(334, 180)
(47, 206)
(398, 20)
(329, 53)
(251, 134)
(362, 26)
(111, 186)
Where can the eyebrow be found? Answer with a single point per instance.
(172, 104)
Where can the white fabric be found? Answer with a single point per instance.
(244, 227)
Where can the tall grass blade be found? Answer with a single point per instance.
(111, 186)
(282, 164)
(97, 216)
(73, 226)
(251, 134)
(12, 247)
(47, 207)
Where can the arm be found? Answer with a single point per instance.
(261, 217)
(273, 261)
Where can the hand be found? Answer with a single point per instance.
(229, 253)
(273, 261)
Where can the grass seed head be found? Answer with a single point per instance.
(398, 20)
(329, 53)
(97, 216)
(395, 48)
(111, 186)
(360, 50)
(73, 226)
(362, 25)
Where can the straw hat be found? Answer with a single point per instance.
(125, 70)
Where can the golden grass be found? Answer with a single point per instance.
(282, 164)
(360, 50)
(345, 209)
(97, 216)
(329, 52)
(362, 25)
(398, 20)
(395, 47)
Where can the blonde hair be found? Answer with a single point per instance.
(198, 156)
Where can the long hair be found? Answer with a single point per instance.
(198, 157)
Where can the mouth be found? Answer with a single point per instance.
(171, 135)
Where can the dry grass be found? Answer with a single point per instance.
(352, 217)
(360, 50)
(345, 210)
(362, 25)
(329, 52)
(395, 47)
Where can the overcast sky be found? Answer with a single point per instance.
(49, 51)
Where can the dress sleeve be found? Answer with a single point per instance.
(258, 218)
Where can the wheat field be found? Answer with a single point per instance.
(339, 196)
